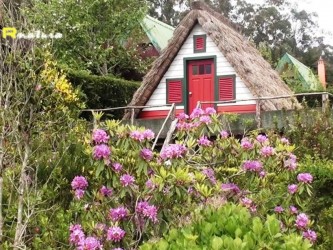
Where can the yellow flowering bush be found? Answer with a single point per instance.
(52, 77)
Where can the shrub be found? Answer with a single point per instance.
(229, 227)
(103, 91)
(134, 194)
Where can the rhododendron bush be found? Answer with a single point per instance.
(136, 194)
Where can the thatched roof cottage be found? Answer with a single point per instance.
(208, 59)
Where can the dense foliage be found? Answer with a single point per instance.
(229, 227)
(103, 91)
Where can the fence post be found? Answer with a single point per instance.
(324, 101)
(173, 112)
(132, 116)
(258, 113)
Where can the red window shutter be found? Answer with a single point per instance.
(226, 88)
(199, 43)
(175, 93)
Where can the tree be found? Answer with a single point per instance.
(99, 36)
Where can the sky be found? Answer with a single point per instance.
(324, 9)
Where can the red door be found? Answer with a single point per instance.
(201, 77)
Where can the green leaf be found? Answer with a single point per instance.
(217, 243)
(100, 168)
(162, 245)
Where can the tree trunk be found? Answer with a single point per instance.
(19, 226)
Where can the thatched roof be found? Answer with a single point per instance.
(256, 73)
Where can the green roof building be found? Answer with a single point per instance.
(289, 66)
(158, 32)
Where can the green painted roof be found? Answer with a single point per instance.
(158, 32)
(304, 73)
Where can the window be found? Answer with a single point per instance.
(174, 91)
(199, 43)
(226, 88)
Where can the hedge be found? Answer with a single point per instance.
(103, 91)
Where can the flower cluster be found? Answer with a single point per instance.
(252, 166)
(230, 187)
(107, 192)
(146, 154)
(262, 138)
(292, 188)
(79, 185)
(304, 177)
(115, 234)
(78, 239)
(203, 141)
(267, 151)
(146, 210)
(126, 180)
(291, 163)
(173, 151)
(101, 151)
(117, 167)
(118, 213)
(148, 134)
(246, 144)
(209, 173)
(99, 136)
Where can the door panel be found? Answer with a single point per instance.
(201, 78)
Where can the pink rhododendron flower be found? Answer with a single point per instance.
(246, 202)
(79, 182)
(90, 243)
(210, 111)
(253, 166)
(304, 177)
(310, 235)
(278, 209)
(107, 192)
(137, 136)
(147, 210)
(79, 193)
(224, 134)
(115, 234)
(117, 167)
(267, 151)
(146, 154)
(284, 141)
(182, 116)
(118, 213)
(291, 163)
(205, 119)
(230, 187)
(100, 136)
(293, 210)
(76, 234)
(148, 134)
(101, 151)
(246, 144)
(262, 138)
(126, 180)
(197, 112)
(302, 221)
(150, 184)
(292, 188)
(262, 174)
(173, 151)
(209, 172)
(203, 141)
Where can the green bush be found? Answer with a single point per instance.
(321, 203)
(103, 91)
(229, 227)
(312, 131)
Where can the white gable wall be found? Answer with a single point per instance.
(176, 70)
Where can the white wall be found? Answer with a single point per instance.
(176, 70)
